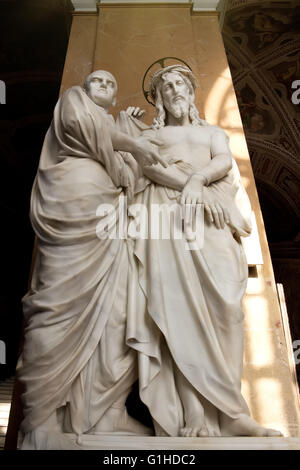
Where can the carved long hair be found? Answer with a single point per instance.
(156, 94)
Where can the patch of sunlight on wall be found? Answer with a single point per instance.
(255, 286)
(4, 415)
(238, 145)
(259, 350)
(221, 105)
(270, 387)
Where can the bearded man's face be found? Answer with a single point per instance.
(175, 94)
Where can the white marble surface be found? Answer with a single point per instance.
(85, 5)
(252, 246)
(106, 441)
(198, 5)
(205, 5)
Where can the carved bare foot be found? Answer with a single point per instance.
(193, 409)
(194, 431)
(246, 426)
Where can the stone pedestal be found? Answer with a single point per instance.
(113, 443)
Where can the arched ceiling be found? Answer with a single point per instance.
(262, 42)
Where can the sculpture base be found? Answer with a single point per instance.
(106, 441)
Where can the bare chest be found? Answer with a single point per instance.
(190, 144)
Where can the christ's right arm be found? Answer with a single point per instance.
(173, 176)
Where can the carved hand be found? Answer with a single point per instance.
(135, 112)
(215, 211)
(192, 192)
(192, 195)
(195, 192)
(145, 152)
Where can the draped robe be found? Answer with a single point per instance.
(185, 306)
(75, 352)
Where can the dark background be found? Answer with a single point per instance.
(263, 48)
(33, 43)
(262, 42)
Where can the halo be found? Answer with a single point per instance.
(159, 63)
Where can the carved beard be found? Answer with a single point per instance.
(179, 109)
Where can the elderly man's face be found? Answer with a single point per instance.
(176, 95)
(102, 89)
